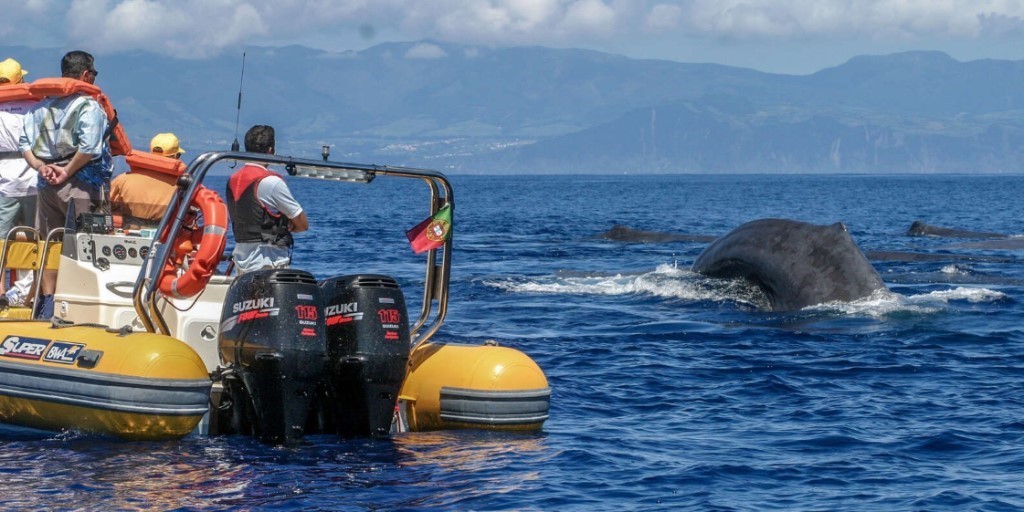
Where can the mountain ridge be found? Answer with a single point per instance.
(474, 109)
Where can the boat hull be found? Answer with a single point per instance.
(454, 386)
(139, 386)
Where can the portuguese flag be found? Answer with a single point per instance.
(432, 232)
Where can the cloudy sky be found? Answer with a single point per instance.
(784, 36)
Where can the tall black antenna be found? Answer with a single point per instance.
(238, 111)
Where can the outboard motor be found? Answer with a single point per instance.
(368, 348)
(273, 343)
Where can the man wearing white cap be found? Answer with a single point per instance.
(141, 197)
(17, 178)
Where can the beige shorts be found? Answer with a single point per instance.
(52, 209)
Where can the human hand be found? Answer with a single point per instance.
(58, 174)
(45, 172)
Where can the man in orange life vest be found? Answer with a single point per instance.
(66, 140)
(263, 212)
(141, 196)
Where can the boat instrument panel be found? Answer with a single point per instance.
(125, 248)
(98, 241)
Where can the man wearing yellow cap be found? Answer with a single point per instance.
(141, 197)
(17, 178)
(11, 72)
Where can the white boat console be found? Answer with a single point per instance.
(97, 275)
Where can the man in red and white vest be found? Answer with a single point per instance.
(264, 214)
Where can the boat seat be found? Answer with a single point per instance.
(19, 255)
(52, 256)
(26, 255)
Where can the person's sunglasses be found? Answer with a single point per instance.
(95, 73)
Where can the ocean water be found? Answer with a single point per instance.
(670, 391)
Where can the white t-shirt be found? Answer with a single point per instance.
(275, 196)
(17, 179)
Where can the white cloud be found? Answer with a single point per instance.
(505, 21)
(871, 19)
(191, 28)
(589, 17)
(425, 51)
(664, 17)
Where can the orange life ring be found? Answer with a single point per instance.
(211, 246)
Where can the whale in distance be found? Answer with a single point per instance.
(620, 233)
(918, 228)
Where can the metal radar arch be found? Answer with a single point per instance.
(146, 295)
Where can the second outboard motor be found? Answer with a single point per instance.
(368, 348)
(273, 343)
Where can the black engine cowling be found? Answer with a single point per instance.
(273, 343)
(368, 349)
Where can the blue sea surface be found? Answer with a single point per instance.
(671, 391)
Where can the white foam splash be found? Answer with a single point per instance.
(667, 280)
(670, 281)
(879, 303)
(974, 295)
(884, 302)
(956, 269)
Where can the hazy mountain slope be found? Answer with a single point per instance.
(532, 109)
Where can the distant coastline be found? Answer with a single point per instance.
(535, 110)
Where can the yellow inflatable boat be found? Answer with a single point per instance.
(451, 386)
(133, 352)
(134, 386)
